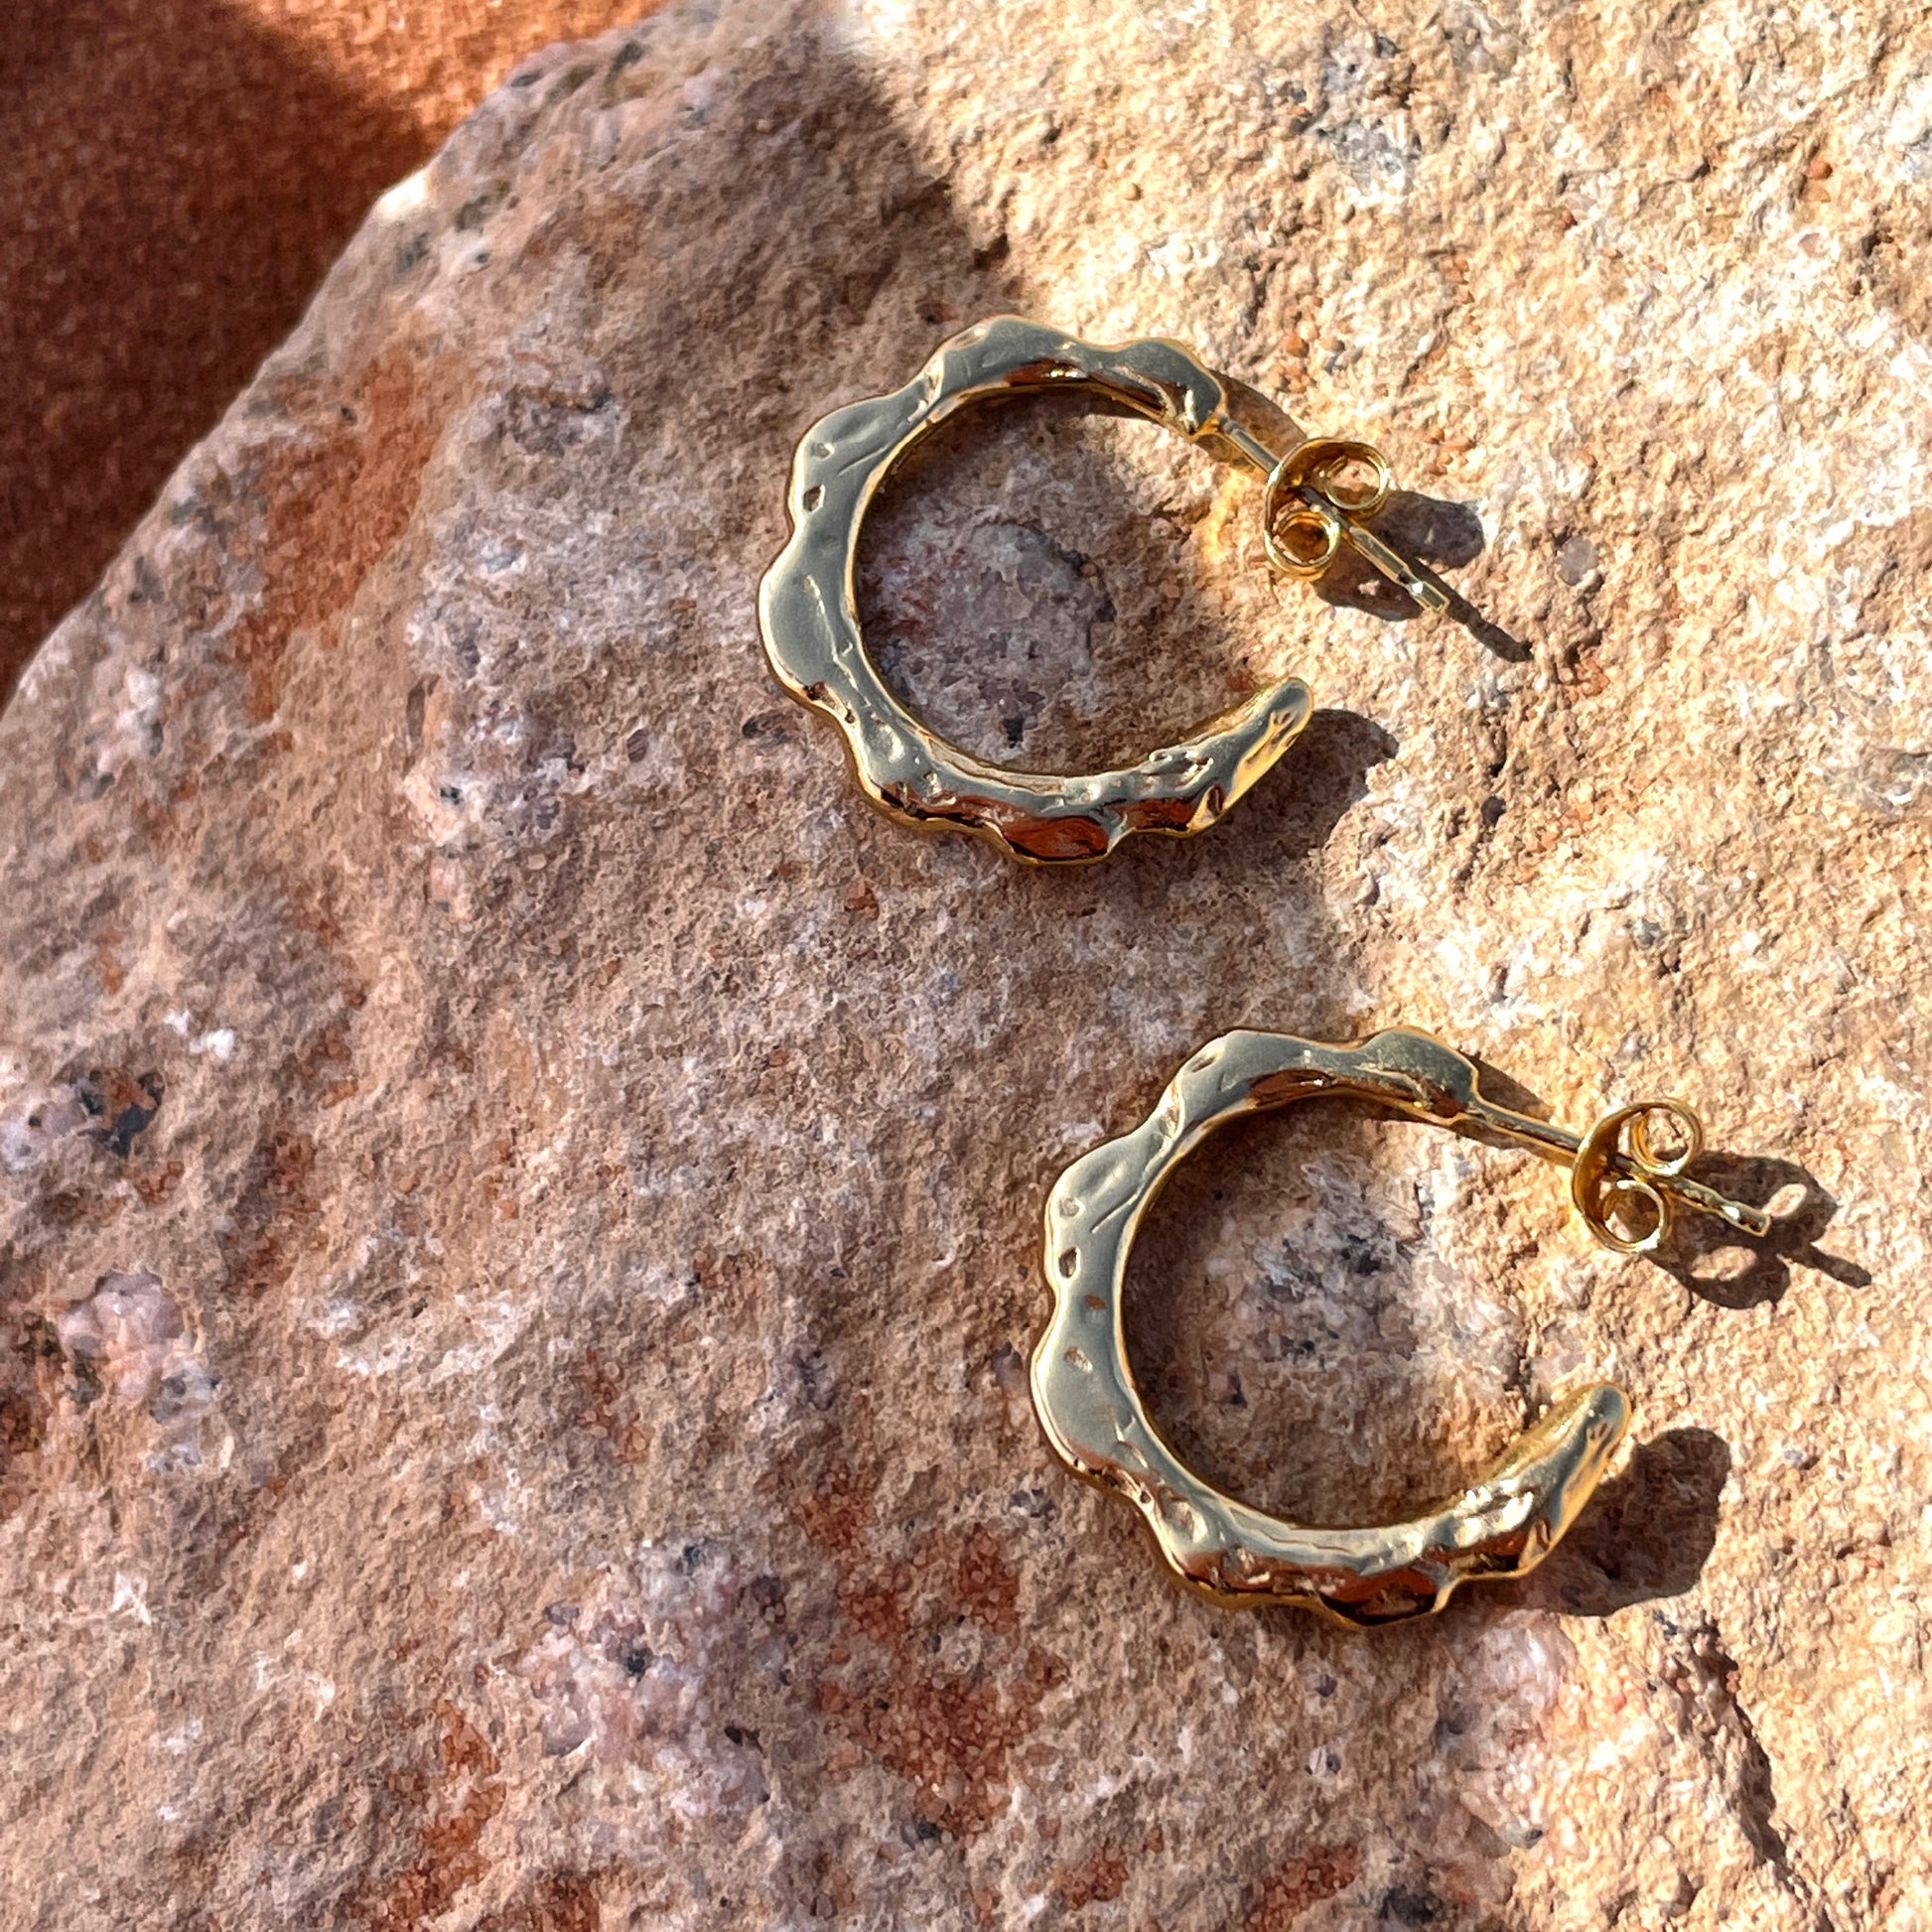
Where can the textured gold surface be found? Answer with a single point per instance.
(1083, 1387)
(808, 609)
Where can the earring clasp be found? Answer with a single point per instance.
(1310, 509)
(1619, 1161)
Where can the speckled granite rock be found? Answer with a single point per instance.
(520, 1192)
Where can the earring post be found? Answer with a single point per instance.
(1598, 1159)
(1337, 518)
(1385, 558)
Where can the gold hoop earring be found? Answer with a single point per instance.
(1092, 1414)
(1320, 494)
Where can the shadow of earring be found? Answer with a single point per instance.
(1645, 1535)
(1720, 1267)
(1435, 534)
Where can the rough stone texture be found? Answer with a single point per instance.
(521, 1192)
(180, 175)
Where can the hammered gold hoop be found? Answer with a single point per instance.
(808, 607)
(1092, 1412)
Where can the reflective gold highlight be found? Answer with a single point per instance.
(808, 607)
(1506, 1522)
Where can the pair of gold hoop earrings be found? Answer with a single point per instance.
(1627, 1173)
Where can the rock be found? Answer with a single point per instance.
(521, 1192)
(182, 174)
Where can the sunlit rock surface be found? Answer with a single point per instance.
(520, 1194)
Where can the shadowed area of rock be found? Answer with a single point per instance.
(181, 173)
(520, 1194)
